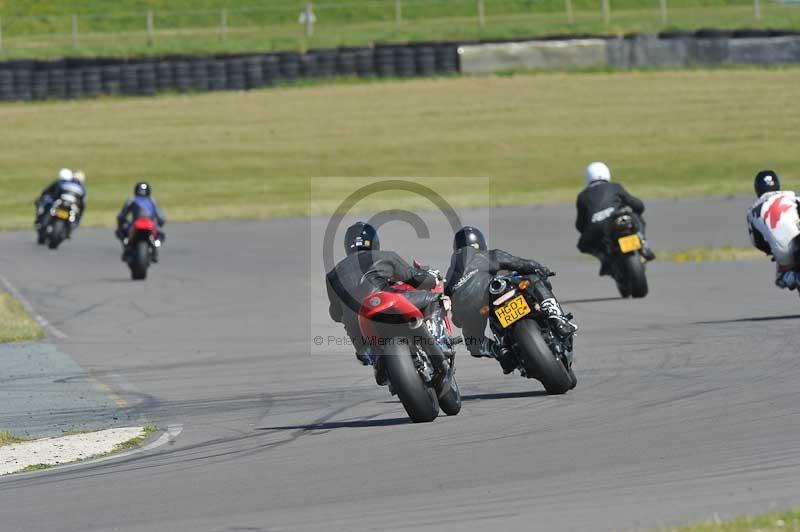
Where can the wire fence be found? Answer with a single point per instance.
(308, 24)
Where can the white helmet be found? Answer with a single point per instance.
(597, 171)
(79, 176)
(65, 174)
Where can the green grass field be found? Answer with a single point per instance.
(43, 28)
(15, 325)
(250, 155)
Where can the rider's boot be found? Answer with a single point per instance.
(557, 318)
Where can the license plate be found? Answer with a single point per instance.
(630, 243)
(512, 311)
(64, 215)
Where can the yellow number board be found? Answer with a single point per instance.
(512, 311)
(62, 214)
(630, 243)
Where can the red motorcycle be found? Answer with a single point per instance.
(410, 332)
(140, 247)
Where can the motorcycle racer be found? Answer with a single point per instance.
(366, 269)
(773, 223)
(142, 204)
(472, 267)
(595, 204)
(66, 182)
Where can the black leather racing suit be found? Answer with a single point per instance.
(467, 284)
(595, 204)
(361, 274)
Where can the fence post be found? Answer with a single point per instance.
(568, 8)
(606, 12)
(757, 9)
(662, 4)
(74, 31)
(149, 27)
(223, 25)
(398, 13)
(481, 14)
(309, 20)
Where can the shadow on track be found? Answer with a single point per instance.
(590, 300)
(754, 319)
(503, 395)
(358, 423)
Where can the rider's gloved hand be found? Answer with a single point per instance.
(545, 272)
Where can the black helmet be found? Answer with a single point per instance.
(141, 189)
(766, 181)
(361, 236)
(469, 236)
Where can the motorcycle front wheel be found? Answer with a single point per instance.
(450, 401)
(420, 401)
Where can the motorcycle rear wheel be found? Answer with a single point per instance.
(140, 260)
(57, 234)
(635, 277)
(539, 362)
(419, 401)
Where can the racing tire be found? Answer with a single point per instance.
(450, 401)
(420, 401)
(57, 234)
(539, 362)
(140, 260)
(573, 379)
(634, 273)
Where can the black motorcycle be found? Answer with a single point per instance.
(141, 245)
(520, 326)
(623, 244)
(55, 224)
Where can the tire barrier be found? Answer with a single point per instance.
(217, 77)
(112, 79)
(199, 75)
(86, 78)
(92, 82)
(270, 69)
(182, 75)
(384, 62)
(405, 62)
(289, 66)
(165, 76)
(147, 79)
(426, 60)
(7, 92)
(235, 74)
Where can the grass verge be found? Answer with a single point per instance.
(147, 430)
(249, 155)
(15, 324)
(772, 522)
(710, 254)
(6, 438)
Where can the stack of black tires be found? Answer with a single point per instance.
(88, 78)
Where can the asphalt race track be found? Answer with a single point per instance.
(687, 403)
